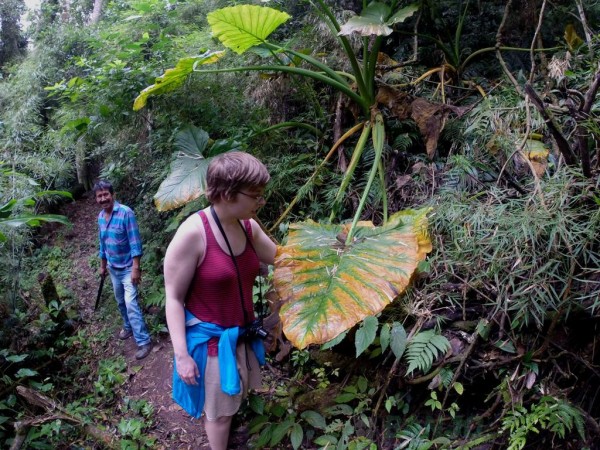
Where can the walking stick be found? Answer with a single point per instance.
(102, 277)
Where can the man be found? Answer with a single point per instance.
(120, 253)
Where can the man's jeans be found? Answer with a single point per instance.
(127, 295)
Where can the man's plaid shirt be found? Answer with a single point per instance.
(120, 240)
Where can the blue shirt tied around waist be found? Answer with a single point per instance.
(190, 397)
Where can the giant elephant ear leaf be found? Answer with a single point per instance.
(375, 20)
(244, 26)
(188, 171)
(328, 286)
(187, 178)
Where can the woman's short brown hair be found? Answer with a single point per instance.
(231, 172)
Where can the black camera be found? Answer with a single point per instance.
(256, 330)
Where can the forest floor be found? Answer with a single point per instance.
(150, 378)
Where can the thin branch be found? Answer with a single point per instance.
(473, 339)
(584, 24)
(534, 40)
(581, 133)
(538, 188)
(561, 141)
(499, 44)
(590, 95)
(415, 38)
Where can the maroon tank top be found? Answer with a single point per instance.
(214, 294)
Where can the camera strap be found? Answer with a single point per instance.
(237, 270)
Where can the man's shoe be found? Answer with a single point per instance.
(143, 351)
(125, 334)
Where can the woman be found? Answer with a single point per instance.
(209, 300)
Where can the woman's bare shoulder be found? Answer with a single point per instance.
(190, 232)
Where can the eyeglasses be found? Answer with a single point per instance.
(257, 198)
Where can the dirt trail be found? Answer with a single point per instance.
(149, 378)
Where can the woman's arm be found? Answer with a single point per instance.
(264, 246)
(182, 257)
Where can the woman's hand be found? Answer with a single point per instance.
(187, 369)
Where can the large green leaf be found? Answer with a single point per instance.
(32, 220)
(244, 26)
(328, 286)
(175, 77)
(187, 178)
(402, 14)
(375, 20)
(188, 171)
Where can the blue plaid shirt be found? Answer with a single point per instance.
(120, 240)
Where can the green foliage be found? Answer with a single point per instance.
(335, 425)
(524, 248)
(244, 27)
(525, 251)
(289, 175)
(376, 19)
(365, 334)
(134, 435)
(549, 413)
(433, 402)
(110, 377)
(417, 437)
(397, 340)
(9, 217)
(423, 349)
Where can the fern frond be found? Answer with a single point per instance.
(415, 437)
(423, 349)
(403, 142)
(550, 414)
(446, 376)
(560, 416)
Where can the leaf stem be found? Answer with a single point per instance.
(342, 87)
(356, 154)
(378, 139)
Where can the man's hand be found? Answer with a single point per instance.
(136, 275)
(103, 271)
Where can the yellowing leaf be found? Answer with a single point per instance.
(329, 287)
(175, 77)
(572, 38)
(537, 153)
(536, 150)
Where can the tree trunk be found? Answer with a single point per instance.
(81, 165)
(12, 43)
(96, 12)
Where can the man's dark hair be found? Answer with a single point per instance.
(103, 185)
